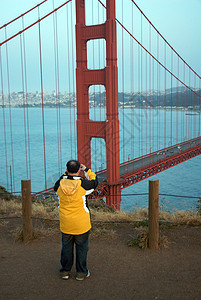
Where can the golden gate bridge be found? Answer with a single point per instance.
(129, 92)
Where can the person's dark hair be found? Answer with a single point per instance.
(73, 166)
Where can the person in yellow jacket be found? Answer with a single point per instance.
(74, 216)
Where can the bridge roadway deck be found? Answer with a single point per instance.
(148, 165)
(153, 163)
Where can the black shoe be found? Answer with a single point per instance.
(82, 276)
(65, 275)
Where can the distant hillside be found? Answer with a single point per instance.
(176, 97)
(180, 97)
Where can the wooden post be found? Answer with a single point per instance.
(153, 214)
(26, 209)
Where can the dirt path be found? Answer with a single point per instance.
(117, 272)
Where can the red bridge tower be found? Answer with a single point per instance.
(86, 128)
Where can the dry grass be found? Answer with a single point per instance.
(13, 208)
(101, 214)
(102, 233)
(40, 232)
(142, 240)
(187, 217)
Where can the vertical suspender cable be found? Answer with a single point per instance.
(26, 102)
(123, 81)
(146, 79)
(41, 79)
(69, 80)
(186, 107)
(165, 110)
(141, 91)
(24, 108)
(153, 109)
(139, 102)
(10, 117)
(177, 106)
(56, 60)
(183, 104)
(4, 119)
(189, 104)
(150, 104)
(199, 85)
(194, 105)
(159, 93)
(199, 104)
(22, 15)
(132, 92)
(171, 98)
(157, 82)
(73, 78)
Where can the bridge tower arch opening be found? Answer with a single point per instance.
(107, 76)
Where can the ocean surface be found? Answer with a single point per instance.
(54, 142)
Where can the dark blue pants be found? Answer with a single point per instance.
(81, 242)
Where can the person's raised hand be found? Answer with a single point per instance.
(82, 167)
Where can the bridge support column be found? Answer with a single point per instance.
(114, 200)
(86, 128)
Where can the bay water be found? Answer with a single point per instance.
(23, 154)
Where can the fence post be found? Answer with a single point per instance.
(153, 214)
(26, 209)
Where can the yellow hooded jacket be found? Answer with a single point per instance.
(73, 211)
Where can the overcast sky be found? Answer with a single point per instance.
(178, 21)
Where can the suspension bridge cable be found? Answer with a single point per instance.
(163, 38)
(25, 129)
(73, 72)
(122, 58)
(5, 25)
(38, 21)
(153, 55)
(4, 119)
(153, 107)
(69, 82)
(26, 100)
(141, 103)
(199, 106)
(56, 64)
(155, 59)
(158, 88)
(132, 91)
(146, 80)
(165, 110)
(10, 117)
(150, 95)
(171, 97)
(41, 81)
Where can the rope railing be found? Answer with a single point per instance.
(122, 195)
(137, 222)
